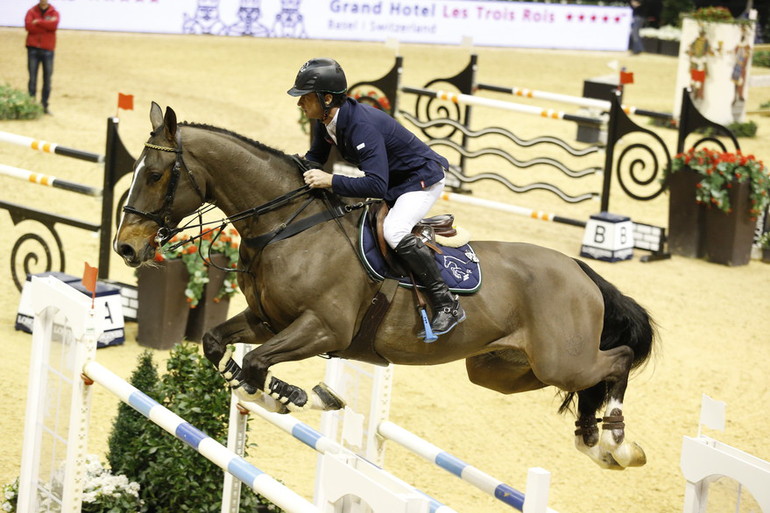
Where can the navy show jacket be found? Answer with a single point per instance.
(393, 159)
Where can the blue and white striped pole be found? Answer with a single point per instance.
(323, 444)
(212, 450)
(299, 430)
(484, 482)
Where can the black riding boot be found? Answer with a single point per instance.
(447, 312)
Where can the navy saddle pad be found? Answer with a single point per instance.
(459, 267)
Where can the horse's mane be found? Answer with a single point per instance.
(240, 137)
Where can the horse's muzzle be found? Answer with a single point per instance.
(131, 256)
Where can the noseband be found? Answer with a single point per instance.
(162, 216)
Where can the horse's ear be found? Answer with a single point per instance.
(156, 116)
(170, 119)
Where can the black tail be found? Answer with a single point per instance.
(626, 322)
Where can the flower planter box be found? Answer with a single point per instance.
(686, 218)
(651, 44)
(697, 231)
(162, 312)
(728, 237)
(668, 47)
(209, 313)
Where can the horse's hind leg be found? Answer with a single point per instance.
(587, 427)
(613, 438)
(611, 449)
(507, 372)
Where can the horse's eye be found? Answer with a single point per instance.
(154, 177)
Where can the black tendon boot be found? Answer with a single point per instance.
(447, 312)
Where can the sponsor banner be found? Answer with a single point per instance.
(483, 23)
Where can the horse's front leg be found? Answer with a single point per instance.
(307, 336)
(243, 328)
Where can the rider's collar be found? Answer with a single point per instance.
(332, 126)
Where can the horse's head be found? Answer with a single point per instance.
(163, 191)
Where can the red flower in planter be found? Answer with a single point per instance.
(713, 14)
(196, 255)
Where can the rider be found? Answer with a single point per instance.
(397, 167)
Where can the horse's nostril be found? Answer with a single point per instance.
(126, 251)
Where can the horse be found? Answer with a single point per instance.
(540, 319)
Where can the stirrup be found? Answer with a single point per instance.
(427, 332)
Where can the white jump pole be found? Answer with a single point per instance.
(573, 100)
(49, 147)
(513, 209)
(467, 99)
(360, 476)
(545, 95)
(363, 425)
(481, 480)
(48, 180)
(209, 448)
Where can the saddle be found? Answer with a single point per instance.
(427, 229)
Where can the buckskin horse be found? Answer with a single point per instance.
(540, 319)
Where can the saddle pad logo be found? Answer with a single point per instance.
(456, 268)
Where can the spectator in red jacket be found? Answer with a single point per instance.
(41, 23)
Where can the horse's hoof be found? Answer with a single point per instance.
(329, 400)
(630, 454)
(604, 459)
(610, 463)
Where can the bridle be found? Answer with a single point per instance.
(162, 216)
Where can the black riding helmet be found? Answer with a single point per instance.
(320, 75)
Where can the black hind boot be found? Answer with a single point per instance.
(447, 312)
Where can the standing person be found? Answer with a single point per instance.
(397, 167)
(41, 23)
(637, 22)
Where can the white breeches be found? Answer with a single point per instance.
(408, 210)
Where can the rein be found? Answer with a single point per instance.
(289, 228)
